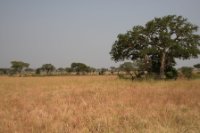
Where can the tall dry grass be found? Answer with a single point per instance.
(98, 104)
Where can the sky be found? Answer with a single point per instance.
(64, 31)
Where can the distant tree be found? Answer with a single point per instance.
(158, 43)
(61, 70)
(102, 71)
(38, 70)
(4, 71)
(92, 70)
(48, 68)
(18, 66)
(113, 69)
(79, 67)
(68, 70)
(187, 72)
(29, 70)
(197, 66)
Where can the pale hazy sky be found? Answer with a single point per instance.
(65, 31)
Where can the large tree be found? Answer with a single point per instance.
(158, 43)
(18, 66)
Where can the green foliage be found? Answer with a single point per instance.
(134, 70)
(197, 66)
(29, 70)
(79, 67)
(60, 69)
(158, 43)
(187, 72)
(18, 66)
(128, 67)
(38, 70)
(4, 71)
(171, 73)
(48, 68)
(68, 69)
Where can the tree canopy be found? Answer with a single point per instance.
(48, 68)
(18, 66)
(79, 67)
(158, 43)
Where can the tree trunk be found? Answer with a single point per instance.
(162, 66)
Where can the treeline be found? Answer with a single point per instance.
(127, 70)
(20, 68)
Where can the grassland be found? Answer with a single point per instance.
(98, 104)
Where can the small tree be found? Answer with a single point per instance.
(102, 71)
(48, 68)
(18, 66)
(38, 71)
(187, 72)
(61, 70)
(68, 70)
(113, 69)
(79, 67)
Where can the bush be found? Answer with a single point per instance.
(187, 72)
(171, 73)
(38, 71)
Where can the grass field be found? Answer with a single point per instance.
(98, 104)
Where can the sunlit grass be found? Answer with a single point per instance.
(98, 104)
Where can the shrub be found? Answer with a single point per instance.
(187, 72)
(171, 73)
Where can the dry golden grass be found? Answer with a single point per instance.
(98, 104)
